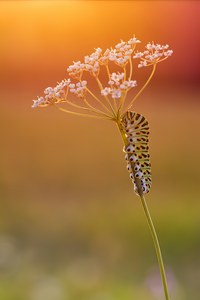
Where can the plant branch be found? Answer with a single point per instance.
(101, 88)
(142, 89)
(97, 99)
(157, 246)
(80, 114)
(150, 223)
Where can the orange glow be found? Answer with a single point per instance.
(39, 39)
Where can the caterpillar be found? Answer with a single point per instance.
(136, 129)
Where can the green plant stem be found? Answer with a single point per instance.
(157, 246)
(151, 226)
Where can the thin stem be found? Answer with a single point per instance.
(95, 110)
(131, 68)
(125, 93)
(157, 246)
(150, 223)
(89, 108)
(124, 68)
(144, 86)
(122, 101)
(97, 99)
(80, 114)
(76, 105)
(101, 88)
(108, 73)
(162, 59)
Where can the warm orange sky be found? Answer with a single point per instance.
(39, 39)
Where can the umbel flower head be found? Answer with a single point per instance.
(110, 101)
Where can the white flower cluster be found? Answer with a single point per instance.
(119, 55)
(117, 86)
(92, 62)
(39, 102)
(52, 95)
(76, 70)
(79, 89)
(153, 54)
(122, 52)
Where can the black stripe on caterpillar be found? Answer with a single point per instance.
(136, 129)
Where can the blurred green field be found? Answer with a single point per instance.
(71, 226)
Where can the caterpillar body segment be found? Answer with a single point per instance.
(136, 129)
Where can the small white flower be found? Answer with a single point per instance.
(128, 84)
(129, 52)
(116, 94)
(79, 89)
(106, 91)
(49, 90)
(166, 47)
(120, 45)
(76, 69)
(86, 59)
(143, 63)
(64, 83)
(132, 83)
(138, 55)
(133, 41)
(38, 102)
(57, 95)
(123, 86)
(158, 47)
(113, 55)
(168, 53)
(111, 82)
(150, 46)
(116, 77)
(153, 56)
(98, 50)
(84, 83)
(121, 61)
(91, 62)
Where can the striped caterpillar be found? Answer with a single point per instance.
(136, 129)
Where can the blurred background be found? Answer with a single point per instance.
(71, 226)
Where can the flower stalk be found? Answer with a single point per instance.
(112, 105)
(150, 224)
(156, 245)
